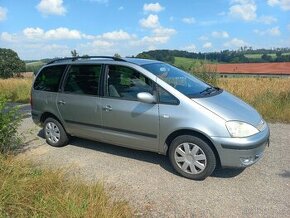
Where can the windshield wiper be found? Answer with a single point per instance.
(209, 90)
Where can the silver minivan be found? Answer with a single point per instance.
(147, 105)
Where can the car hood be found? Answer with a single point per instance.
(229, 107)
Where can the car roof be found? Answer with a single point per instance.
(140, 61)
(100, 59)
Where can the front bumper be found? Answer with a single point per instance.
(242, 152)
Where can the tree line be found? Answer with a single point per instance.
(225, 56)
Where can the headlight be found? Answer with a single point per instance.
(238, 129)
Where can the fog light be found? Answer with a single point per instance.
(246, 161)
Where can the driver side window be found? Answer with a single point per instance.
(125, 83)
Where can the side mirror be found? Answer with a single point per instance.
(146, 97)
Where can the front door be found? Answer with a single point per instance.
(125, 120)
(79, 103)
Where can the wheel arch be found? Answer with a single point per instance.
(46, 115)
(192, 132)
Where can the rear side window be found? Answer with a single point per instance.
(48, 79)
(83, 79)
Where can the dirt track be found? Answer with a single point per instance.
(149, 183)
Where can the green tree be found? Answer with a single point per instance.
(74, 53)
(117, 55)
(267, 58)
(10, 63)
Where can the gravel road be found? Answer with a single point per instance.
(151, 186)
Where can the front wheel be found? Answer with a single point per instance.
(192, 157)
(54, 133)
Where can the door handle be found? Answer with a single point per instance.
(61, 102)
(107, 108)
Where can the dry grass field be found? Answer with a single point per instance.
(16, 89)
(270, 96)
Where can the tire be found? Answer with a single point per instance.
(192, 157)
(54, 133)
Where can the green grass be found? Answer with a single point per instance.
(257, 56)
(27, 191)
(34, 66)
(187, 63)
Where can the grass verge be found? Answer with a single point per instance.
(26, 191)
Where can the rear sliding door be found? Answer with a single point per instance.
(79, 103)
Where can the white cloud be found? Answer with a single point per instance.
(153, 7)
(189, 48)
(117, 35)
(188, 20)
(102, 43)
(155, 39)
(220, 34)
(152, 21)
(283, 4)
(235, 43)
(203, 38)
(53, 34)
(7, 37)
(33, 33)
(161, 31)
(243, 9)
(267, 19)
(207, 45)
(275, 31)
(63, 33)
(3, 13)
(51, 7)
(160, 35)
(33, 39)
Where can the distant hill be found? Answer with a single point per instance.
(243, 55)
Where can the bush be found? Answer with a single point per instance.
(9, 122)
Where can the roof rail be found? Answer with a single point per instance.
(85, 57)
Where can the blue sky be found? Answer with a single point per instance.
(52, 28)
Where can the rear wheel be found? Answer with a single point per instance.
(192, 157)
(54, 133)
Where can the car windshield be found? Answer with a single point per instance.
(184, 82)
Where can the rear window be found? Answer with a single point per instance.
(48, 79)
